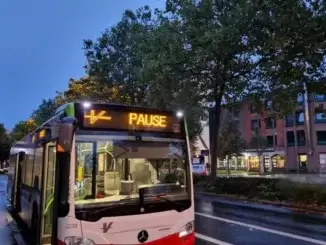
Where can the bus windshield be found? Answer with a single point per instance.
(112, 171)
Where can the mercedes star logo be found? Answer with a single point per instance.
(142, 236)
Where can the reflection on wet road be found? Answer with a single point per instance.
(6, 233)
(223, 224)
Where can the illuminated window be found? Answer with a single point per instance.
(266, 162)
(278, 161)
(303, 160)
(253, 162)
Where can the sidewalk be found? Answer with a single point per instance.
(9, 230)
(268, 206)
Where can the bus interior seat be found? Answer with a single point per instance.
(112, 183)
(141, 176)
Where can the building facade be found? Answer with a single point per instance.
(296, 143)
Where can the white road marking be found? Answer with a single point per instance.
(281, 233)
(211, 239)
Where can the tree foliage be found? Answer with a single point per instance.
(22, 128)
(44, 111)
(5, 143)
(133, 56)
(89, 89)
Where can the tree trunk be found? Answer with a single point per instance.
(295, 142)
(274, 143)
(227, 165)
(261, 163)
(214, 127)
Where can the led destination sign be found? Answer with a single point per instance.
(137, 121)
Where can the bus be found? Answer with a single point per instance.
(97, 174)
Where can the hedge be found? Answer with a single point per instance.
(265, 189)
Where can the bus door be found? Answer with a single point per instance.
(48, 191)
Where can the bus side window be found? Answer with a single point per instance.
(37, 170)
(29, 162)
(23, 168)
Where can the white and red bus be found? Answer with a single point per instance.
(98, 174)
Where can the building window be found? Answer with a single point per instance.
(299, 115)
(253, 108)
(255, 124)
(301, 139)
(270, 122)
(270, 140)
(322, 162)
(321, 137)
(303, 160)
(320, 97)
(266, 162)
(300, 98)
(253, 162)
(289, 121)
(322, 158)
(320, 117)
(268, 104)
(278, 161)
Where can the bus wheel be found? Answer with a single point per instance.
(34, 227)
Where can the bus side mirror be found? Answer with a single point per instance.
(66, 133)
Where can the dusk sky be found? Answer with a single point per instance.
(41, 47)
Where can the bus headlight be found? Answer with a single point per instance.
(75, 240)
(187, 229)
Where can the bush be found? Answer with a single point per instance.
(264, 188)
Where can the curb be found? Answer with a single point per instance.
(266, 206)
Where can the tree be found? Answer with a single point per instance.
(5, 144)
(130, 55)
(89, 89)
(231, 142)
(259, 143)
(116, 58)
(22, 128)
(219, 55)
(44, 111)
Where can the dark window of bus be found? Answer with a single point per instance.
(29, 169)
(23, 169)
(37, 170)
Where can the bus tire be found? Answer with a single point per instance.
(34, 225)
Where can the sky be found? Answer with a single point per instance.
(41, 47)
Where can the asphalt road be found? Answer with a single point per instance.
(218, 222)
(224, 224)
